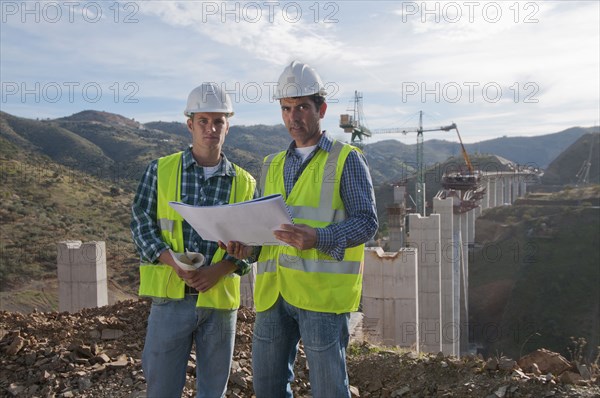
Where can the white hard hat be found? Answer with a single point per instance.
(298, 80)
(208, 97)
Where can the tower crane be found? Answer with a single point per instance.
(355, 123)
(420, 184)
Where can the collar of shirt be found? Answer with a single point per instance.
(225, 169)
(325, 143)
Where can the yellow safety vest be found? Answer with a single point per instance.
(310, 279)
(161, 280)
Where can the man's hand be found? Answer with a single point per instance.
(206, 277)
(299, 236)
(237, 249)
(167, 258)
(203, 278)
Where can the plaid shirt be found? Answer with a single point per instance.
(356, 191)
(195, 190)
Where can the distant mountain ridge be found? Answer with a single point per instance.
(108, 143)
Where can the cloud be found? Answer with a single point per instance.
(546, 51)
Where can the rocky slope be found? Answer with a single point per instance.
(96, 353)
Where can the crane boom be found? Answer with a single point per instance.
(464, 153)
(420, 183)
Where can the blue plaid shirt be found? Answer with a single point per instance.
(356, 191)
(195, 190)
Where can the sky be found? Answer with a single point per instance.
(495, 68)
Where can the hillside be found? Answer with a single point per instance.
(534, 274)
(44, 203)
(570, 166)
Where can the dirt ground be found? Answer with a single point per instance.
(96, 353)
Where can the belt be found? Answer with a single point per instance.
(190, 290)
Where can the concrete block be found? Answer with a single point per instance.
(82, 275)
(390, 301)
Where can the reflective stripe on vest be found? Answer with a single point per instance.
(160, 280)
(310, 279)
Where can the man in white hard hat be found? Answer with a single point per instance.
(307, 290)
(194, 296)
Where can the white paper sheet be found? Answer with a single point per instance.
(251, 222)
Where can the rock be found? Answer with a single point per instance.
(15, 389)
(507, 364)
(519, 374)
(401, 392)
(569, 377)
(238, 379)
(491, 364)
(111, 334)
(547, 362)
(17, 344)
(584, 371)
(501, 392)
(374, 386)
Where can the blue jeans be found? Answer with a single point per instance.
(173, 325)
(277, 332)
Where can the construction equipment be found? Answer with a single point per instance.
(460, 180)
(463, 182)
(465, 187)
(355, 123)
(420, 184)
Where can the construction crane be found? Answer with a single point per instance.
(459, 180)
(355, 123)
(464, 186)
(420, 183)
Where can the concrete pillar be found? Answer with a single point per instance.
(424, 235)
(82, 275)
(389, 300)
(396, 213)
(445, 208)
(522, 186)
(499, 191)
(492, 192)
(464, 228)
(514, 188)
(470, 226)
(485, 201)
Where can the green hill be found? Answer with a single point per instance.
(44, 203)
